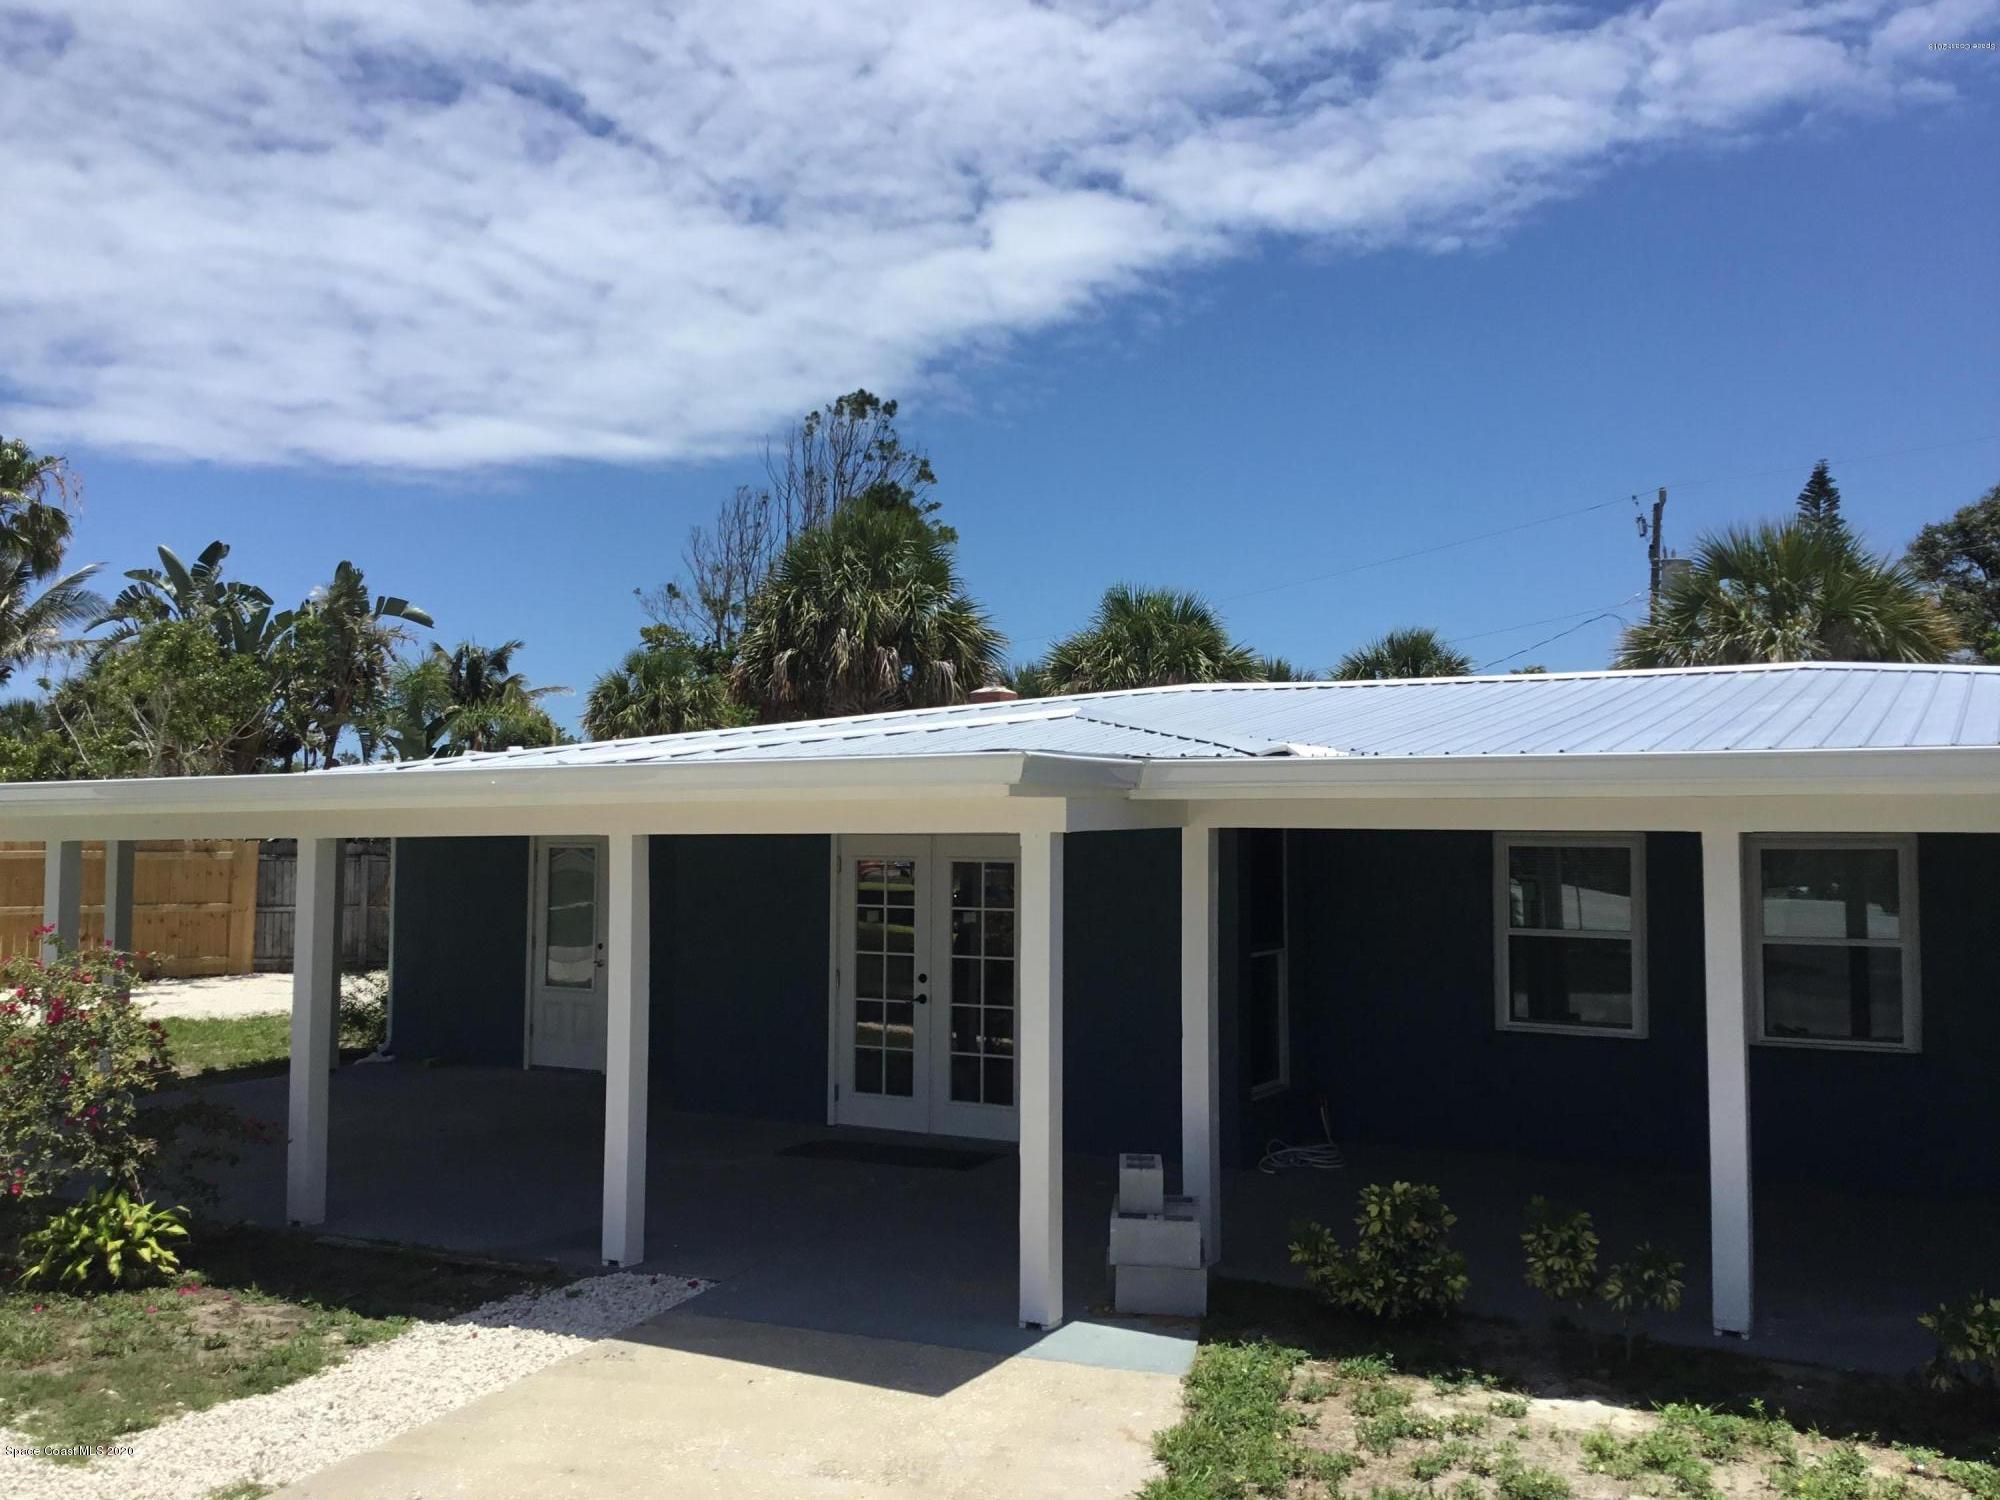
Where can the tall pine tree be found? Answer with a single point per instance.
(1819, 503)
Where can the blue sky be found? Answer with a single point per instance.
(1275, 401)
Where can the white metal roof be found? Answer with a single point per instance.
(1703, 710)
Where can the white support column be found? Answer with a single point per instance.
(118, 860)
(628, 975)
(1729, 1205)
(62, 896)
(1039, 1056)
(315, 935)
(1201, 1076)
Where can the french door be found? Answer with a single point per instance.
(924, 985)
(566, 986)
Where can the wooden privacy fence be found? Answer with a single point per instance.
(194, 901)
(364, 904)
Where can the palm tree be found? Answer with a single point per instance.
(661, 688)
(1800, 591)
(1143, 637)
(1278, 669)
(346, 643)
(36, 622)
(35, 492)
(863, 612)
(487, 704)
(1415, 651)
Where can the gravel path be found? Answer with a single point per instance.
(358, 1404)
(228, 994)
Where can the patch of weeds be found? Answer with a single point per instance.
(1516, 1480)
(1512, 1407)
(1376, 1400)
(1457, 1382)
(1382, 1434)
(1366, 1367)
(1329, 1468)
(1842, 1474)
(1466, 1424)
(1230, 1441)
(1980, 1480)
(1466, 1489)
(1672, 1453)
(243, 1489)
(1720, 1435)
(1314, 1388)
(1440, 1461)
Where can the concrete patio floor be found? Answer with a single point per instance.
(508, 1163)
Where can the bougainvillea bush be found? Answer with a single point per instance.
(76, 1058)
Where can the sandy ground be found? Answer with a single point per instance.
(222, 995)
(694, 1406)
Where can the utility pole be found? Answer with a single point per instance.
(1656, 552)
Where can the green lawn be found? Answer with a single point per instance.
(259, 1310)
(1287, 1399)
(218, 1044)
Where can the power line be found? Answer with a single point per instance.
(1562, 515)
(1581, 510)
(1606, 614)
(1595, 611)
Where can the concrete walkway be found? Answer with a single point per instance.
(695, 1406)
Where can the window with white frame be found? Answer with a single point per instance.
(1833, 926)
(1570, 933)
(1266, 926)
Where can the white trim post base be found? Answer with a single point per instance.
(315, 935)
(118, 871)
(1201, 1078)
(628, 980)
(1039, 1056)
(62, 897)
(1731, 1227)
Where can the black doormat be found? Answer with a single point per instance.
(892, 1154)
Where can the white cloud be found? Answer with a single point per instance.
(455, 234)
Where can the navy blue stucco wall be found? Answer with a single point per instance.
(1929, 1119)
(1393, 1000)
(1392, 1021)
(460, 915)
(1121, 992)
(739, 974)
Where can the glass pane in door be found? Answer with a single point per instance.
(982, 982)
(569, 949)
(885, 972)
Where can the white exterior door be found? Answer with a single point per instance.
(566, 983)
(924, 985)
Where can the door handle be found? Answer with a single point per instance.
(922, 999)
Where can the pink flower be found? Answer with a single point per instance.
(151, 1310)
(38, 1307)
(13, 1190)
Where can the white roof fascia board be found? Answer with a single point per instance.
(1955, 770)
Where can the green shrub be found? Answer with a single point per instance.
(107, 1240)
(1515, 1407)
(76, 1057)
(1400, 1264)
(1968, 1335)
(1649, 1282)
(364, 1012)
(1561, 1249)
